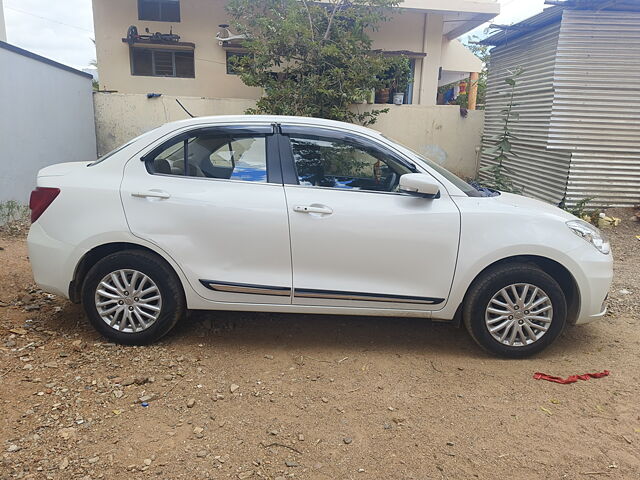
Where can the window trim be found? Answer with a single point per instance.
(289, 172)
(153, 62)
(272, 151)
(160, 19)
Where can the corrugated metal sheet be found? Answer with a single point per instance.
(540, 171)
(596, 106)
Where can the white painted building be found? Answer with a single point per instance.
(46, 117)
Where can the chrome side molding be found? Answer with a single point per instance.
(246, 288)
(365, 297)
(251, 289)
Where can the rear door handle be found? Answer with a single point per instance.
(322, 209)
(151, 194)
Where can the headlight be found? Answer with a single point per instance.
(591, 234)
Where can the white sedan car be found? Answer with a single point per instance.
(288, 214)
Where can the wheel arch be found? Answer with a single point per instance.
(553, 268)
(96, 253)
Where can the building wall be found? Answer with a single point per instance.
(3, 29)
(438, 132)
(578, 133)
(46, 118)
(414, 31)
(595, 114)
(540, 171)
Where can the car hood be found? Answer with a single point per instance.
(531, 205)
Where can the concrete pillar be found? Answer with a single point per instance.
(430, 68)
(473, 91)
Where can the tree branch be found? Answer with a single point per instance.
(306, 6)
(333, 14)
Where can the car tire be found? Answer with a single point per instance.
(153, 304)
(487, 313)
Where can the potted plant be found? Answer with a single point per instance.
(383, 90)
(400, 79)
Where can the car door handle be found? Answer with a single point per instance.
(313, 209)
(151, 194)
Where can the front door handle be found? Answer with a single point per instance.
(151, 194)
(321, 209)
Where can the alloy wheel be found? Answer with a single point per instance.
(128, 301)
(519, 314)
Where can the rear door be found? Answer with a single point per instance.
(356, 241)
(212, 198)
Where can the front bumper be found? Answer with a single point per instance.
(593, 284)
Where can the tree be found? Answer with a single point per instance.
(311, 58)
(498, 174)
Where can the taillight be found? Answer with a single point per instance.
(40, 199)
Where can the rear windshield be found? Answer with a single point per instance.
(113, 152)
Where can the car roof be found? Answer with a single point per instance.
(283, 119)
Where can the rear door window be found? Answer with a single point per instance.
(224, 157)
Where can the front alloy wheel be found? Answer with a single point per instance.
(519, 314)
(515, 310)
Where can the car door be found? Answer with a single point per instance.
(356, 241)
(212, 198)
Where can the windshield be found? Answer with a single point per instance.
(457, 181)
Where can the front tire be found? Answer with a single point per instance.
(133, 297)
(515, 310)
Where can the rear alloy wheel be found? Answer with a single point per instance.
(128, 301)
(515, 310)
(133, 297)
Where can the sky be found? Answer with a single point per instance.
(62, 29)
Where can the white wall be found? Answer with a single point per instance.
(438, 132)
(46, 117)
(3, 29)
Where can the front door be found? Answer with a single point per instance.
(213, 200)
(356, 241)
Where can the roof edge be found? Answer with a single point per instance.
(40, 58)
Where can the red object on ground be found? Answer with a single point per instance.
(571, 379)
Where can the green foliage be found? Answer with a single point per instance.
(312, 59)
(12, 211)
(498, 173)
(580, 210)
(398, 73)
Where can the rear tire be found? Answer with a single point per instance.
(515, 310)
(133, 297)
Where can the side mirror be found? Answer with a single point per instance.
(419, 184)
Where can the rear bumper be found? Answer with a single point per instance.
(50, 261)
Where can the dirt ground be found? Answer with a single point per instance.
(249, 396)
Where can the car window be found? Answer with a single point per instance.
(326, 162)
(214, 156)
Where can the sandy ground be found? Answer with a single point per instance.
(238, 395)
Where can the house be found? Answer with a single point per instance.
(198, 64)
(47, 117)
(578, 100)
